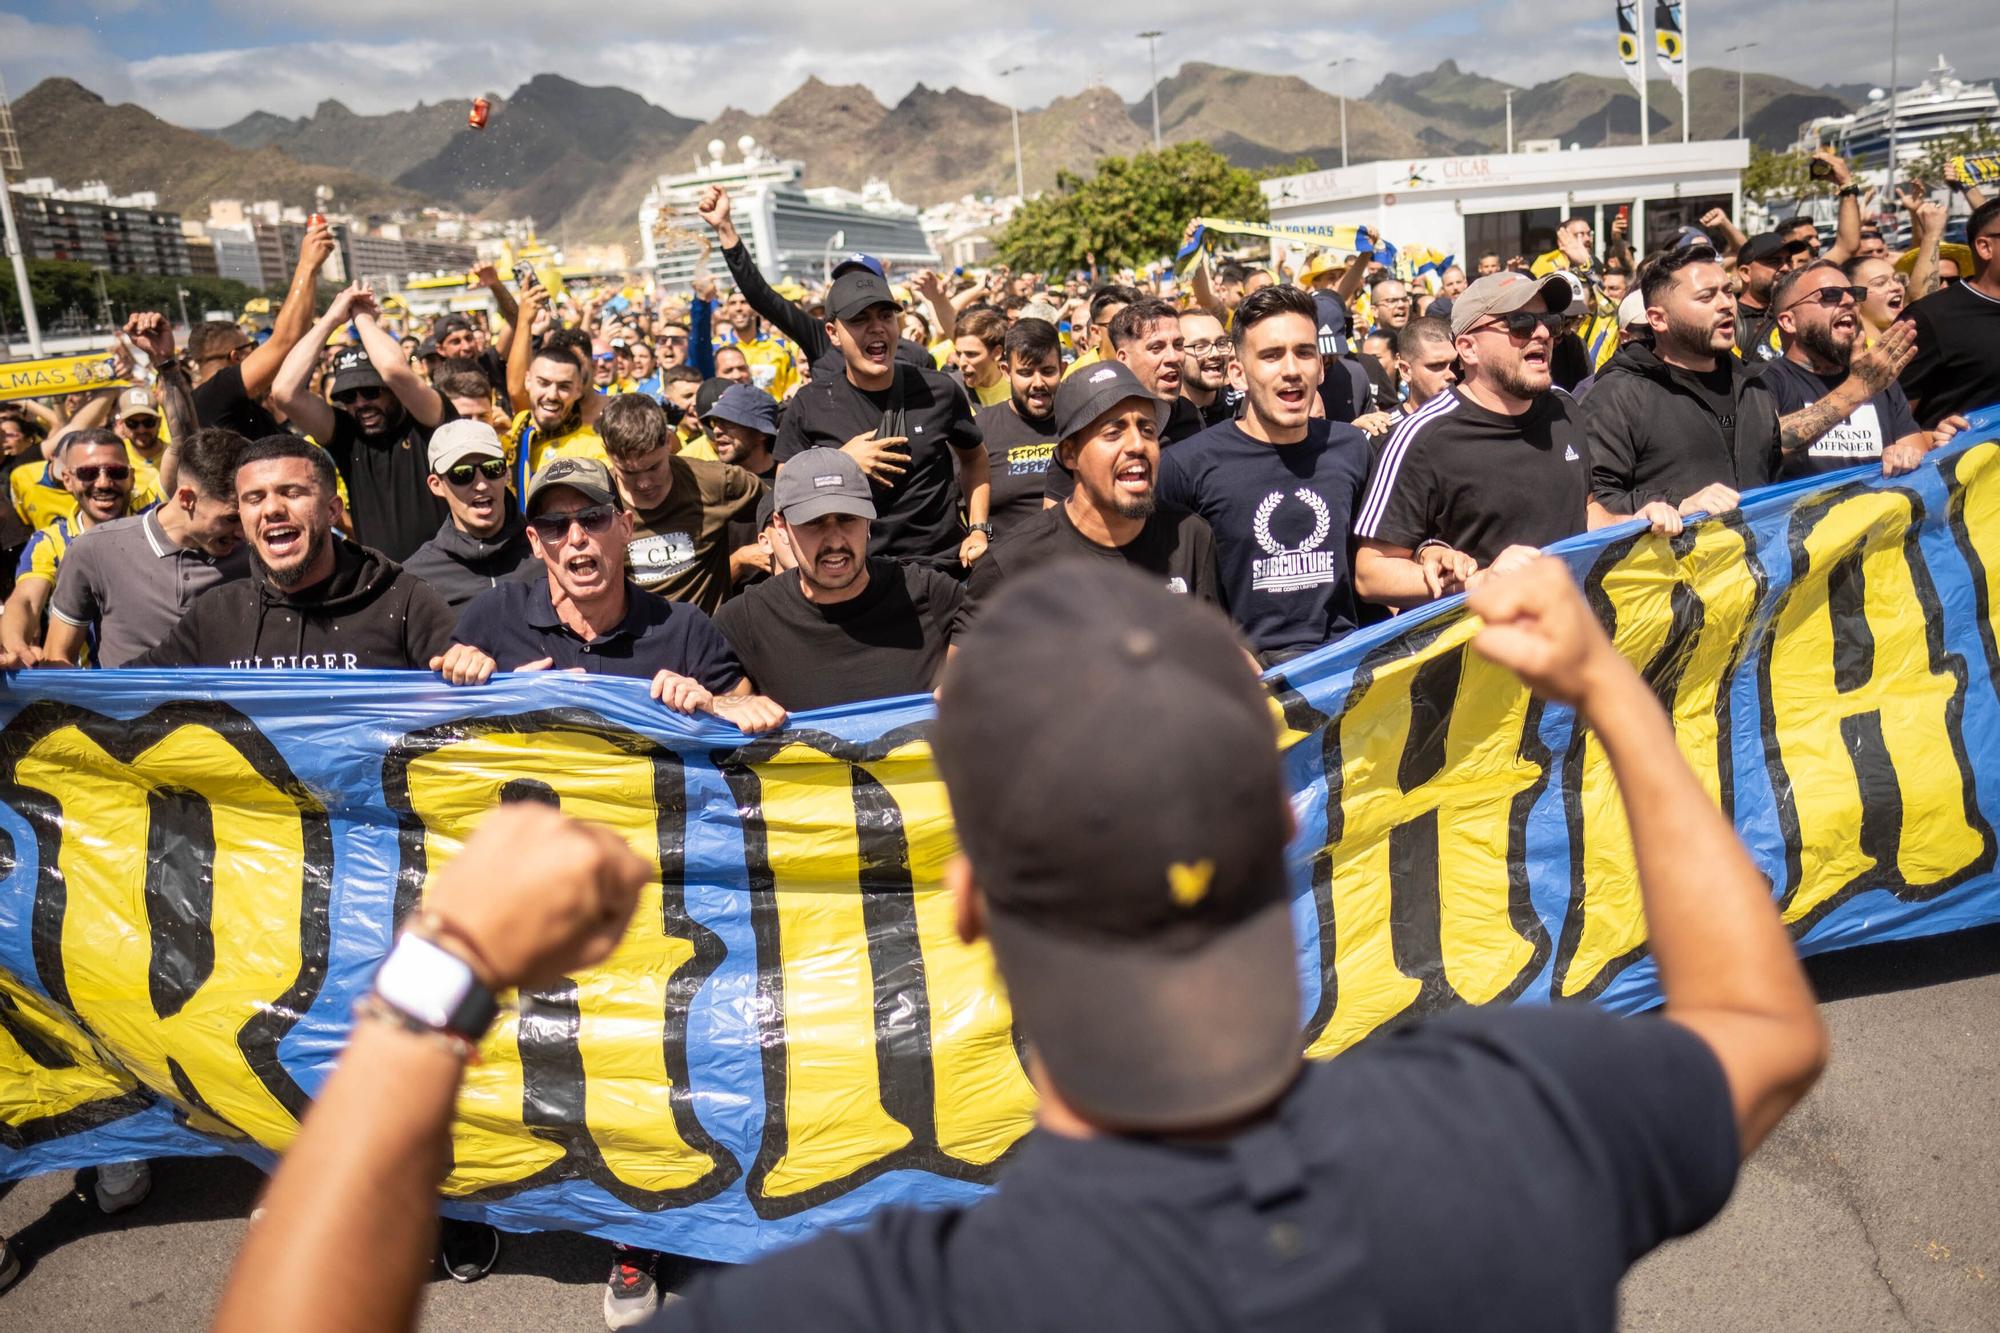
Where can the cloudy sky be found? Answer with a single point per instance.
(207, 62)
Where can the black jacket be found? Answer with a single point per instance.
(370, 614)
(797, 323)
(460, 566)
(1654, 438)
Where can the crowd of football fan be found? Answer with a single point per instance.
(765, 499)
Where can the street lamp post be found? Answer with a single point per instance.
(1340, 82)
(1152, 39)
(1510, 122)
(10, 160)
(1895, 39)
(1014, 109)
(1738, 51)
(837, 241)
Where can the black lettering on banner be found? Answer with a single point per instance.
(550, 1035)
(73, 1085)
(1433, 858)
(1718, 585)
(178, 882)
(1972, 512)
(893, 1005)
(1856, 649)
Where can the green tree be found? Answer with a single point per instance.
(1771, 176)
(60, 286)
(1131, 212)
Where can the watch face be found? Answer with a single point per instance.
(425, 982)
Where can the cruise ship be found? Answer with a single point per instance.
(1940, 107)
(792, 233)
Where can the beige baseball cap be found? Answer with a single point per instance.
(1504, 293)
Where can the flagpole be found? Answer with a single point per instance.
(1687, 69)
(1645, 77)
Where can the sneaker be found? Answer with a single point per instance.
(468, 1250)
(120, 1185)
(10, 1263)
(631, 1293)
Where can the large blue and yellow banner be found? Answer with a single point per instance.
(199, 871)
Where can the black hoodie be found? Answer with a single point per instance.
(1653, 436)
(460, 566)
(370, 614)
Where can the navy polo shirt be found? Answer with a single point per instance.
(515, 623)
(1497, 1168)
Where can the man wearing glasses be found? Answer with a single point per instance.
(587, 616)
(1681, 427)
(484, 540)
(1842, 406)
(233, 374)
(1488, 471)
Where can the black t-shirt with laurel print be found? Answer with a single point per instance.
(1281, 515)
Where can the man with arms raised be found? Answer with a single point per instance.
(484, 540)
(1683, 423)
(312, 601)
(1277, 486)
(554, 424)
(377, 428)
(842, 627)
(1525, 1155)
(232, 373)
(1489, 470)
(1957, 365)
(1108, 425)
(909, 427)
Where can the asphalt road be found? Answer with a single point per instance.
(1876, 1206)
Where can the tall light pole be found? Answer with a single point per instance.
(1510, 122)
(1340, 82)
(1014, 108)
(1152, 39)
(10, 160)
(1895, 38)
(1738, 51)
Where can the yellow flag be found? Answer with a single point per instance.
(57, 374)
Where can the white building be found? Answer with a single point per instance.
(791, 232)
(1511, 203)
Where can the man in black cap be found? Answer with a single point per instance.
(842, 626)
(378, 426)
(1108, 427)
(1497, 1167)
(1760, 262)
(909, 427)
(1682, 426)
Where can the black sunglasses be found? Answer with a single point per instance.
(595, 521)
(1522, 323)
(461, 474)
(1832, 297)
(110, 472)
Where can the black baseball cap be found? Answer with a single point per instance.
(816, 482)
(1091, 392)
(1767, 247)
(708, 394)
(1139, 905)
(353, 370)
(449, 324)
(856, 290)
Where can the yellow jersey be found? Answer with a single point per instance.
(43, 555)
(579, 441)
(1090, 358)
(999, 391)
(40, 499)
(699, 446)
(772, 365)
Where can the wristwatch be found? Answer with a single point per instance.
(435, 988)
(983, 529)
(1849, 189)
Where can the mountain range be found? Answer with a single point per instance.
(579, 158)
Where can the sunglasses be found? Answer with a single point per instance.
(348, 396)
(143, 422)
(595, 521)
(236, 353)
(1522, 324)
(109, 472)
(461, 474)
(1832, 297)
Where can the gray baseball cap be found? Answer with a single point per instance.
(1091, 392)
(819, 482)
(586, 476)
(1504, 293)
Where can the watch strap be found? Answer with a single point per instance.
(434, 987)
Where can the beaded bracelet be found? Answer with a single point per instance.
(374, 1006)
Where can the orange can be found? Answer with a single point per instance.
(476, 118)
(316, 220)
